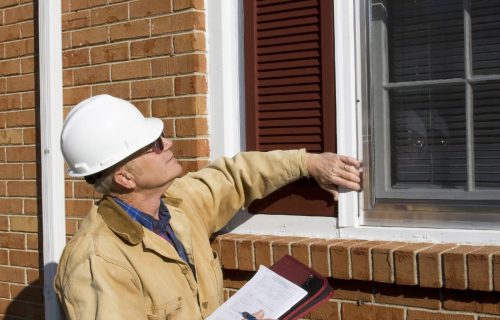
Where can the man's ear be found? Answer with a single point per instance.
(124, 179)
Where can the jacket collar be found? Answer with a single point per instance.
(132, 231)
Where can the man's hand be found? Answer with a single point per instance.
(331, 170)
(259, 315)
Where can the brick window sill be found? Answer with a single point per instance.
(427, 265)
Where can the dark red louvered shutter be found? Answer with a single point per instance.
(290, 98)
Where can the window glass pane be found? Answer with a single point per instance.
(426, 39)
(487, 134)
(485, 19)
(428, 145)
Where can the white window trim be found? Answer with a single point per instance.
(226, 105)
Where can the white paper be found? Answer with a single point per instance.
(266, 291)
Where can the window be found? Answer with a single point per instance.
(434, 113)
(289, 91)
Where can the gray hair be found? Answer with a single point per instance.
(104, 184)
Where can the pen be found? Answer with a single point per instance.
(248, 316)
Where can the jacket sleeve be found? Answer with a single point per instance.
(101, 289)
(217, 192)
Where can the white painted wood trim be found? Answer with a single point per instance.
(51, 119)
(225, 73)
(347, 100)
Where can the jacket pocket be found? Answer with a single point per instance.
(171, 310)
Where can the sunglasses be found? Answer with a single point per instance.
(156, 146)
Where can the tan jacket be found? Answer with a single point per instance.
(114, 268)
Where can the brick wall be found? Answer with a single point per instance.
(378, 280)
(150, 52)
(20, 288)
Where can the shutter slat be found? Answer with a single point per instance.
(288, 64)
(301, 55)
(290, 105)
(287, 23)
(288, 48)
(290, 97)
(286, 39)
(288, 6)
(292, 31)
(289, 80)
(286, 15)
(284, 131)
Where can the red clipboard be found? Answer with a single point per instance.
(317, 287)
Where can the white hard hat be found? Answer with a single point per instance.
(103, 130)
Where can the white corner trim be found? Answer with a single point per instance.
(51, 119)
(347, 100)
(225, 74)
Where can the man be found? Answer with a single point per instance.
(143, 251)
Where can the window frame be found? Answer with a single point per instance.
(225, 101)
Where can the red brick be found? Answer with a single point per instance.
(18, 13)
(31, 294)
(20, 118)
(89, 36)
(27, 65)
(66, 40)
(4, 224)
(425, 315)
(383, 261)
(29, 137)
(71, 226)
(184, 21)
(245, 251)
(21, 83)
(131, 70)
(11, 206)
(4, 290)
(75, 20)
(328, 310)
(407, 296)
(109, 14)
(353, 290)
(8, 3)
(361, 260)
(11, 136)
(10, 67)
(152, 88)
(78, 57)
(405, 263)
(179, 65)
(189, 127)
(23, 224)
(29, 169)
(193, 165)
(263, 252)
(4, 257)
(21, 188)
(129, 30)
(28, 100)
(78, 208)
(65, 6)
(471, 301)
(496, 271)
(30, 207)
(85, 4)
(27, 29)
(320, 260)
(455, 271)
(19, 48)
(143, 8)
(84, 190)
(90, 75)
(189, 42)
(187, 4)
(11, 274)
(21, 154)
(182, 106)
(109, 53)
(33, 275)
(228, 257)
(371, 312)
(11, 171)
(118, 89)
(190, 85)
(10, 32)
(282, 247)
(9, 240)
(10, 101)
(24, 258)
(32, 242)
(340, 259)
(191, 148)
(73, 95)
(144, 106)
(480, 268)
(151, 47)
(68, 78)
